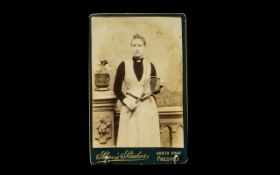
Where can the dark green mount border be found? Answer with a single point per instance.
(150, 151)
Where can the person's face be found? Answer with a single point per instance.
(138, 47)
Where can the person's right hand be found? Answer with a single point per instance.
(129, 103)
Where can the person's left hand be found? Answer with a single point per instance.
(129, 103)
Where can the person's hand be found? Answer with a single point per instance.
(129, 103)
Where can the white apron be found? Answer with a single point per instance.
(139, 128)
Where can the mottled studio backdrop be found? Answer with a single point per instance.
(111, 37)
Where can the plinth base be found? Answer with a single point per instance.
(103, 125)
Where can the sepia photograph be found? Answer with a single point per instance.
(137, 83)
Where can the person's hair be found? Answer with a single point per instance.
(138, 36)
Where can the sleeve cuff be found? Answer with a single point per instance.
(122, 98)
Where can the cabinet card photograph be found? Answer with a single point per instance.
(138, 88)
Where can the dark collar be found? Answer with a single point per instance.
(137, 59)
